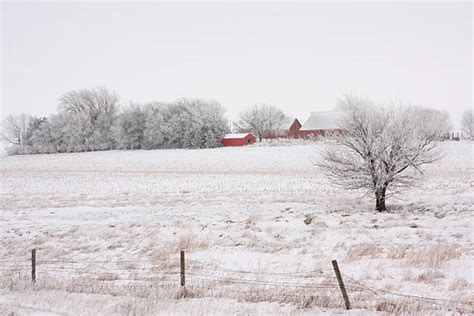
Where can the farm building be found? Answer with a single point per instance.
(290, 128)
(321, 123)
(240, 139)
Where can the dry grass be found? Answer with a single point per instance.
(190, 242)
(369, 250)
(145, 294)
(300, 297)
(109, 284)
(433, 256)
(460, 284)
(398, 251)
(399, 306)
(107, 277)
(430, 276)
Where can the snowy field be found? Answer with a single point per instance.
(260, 226)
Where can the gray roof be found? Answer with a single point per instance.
(323, 121)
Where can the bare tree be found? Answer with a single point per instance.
(15, 130)
(467, 122)
(263, 120)
(383, 147)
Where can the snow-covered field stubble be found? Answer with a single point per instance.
(260, 226)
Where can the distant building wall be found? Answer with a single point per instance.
(320, 133)
(293, 132)
(234, 142)
(288, 132)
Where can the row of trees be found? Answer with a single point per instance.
(91, 119)
(187, 123)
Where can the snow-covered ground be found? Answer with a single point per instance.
(260, 226)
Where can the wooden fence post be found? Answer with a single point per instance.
(33, 265)
(341, 284)
(182, 264)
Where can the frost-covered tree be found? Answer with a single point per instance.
(130, 128)
(23, 134)
(76, 131)
(193, 123)
(57, 131)
(34, 125)
(185, 123)
(41, 140)
(467, 123)
(154, 128)
(215, 125)
(89, 115)
(16, 130)
(383, 148)
(262, 120)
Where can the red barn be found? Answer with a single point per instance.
(290, 128)
(241, 139)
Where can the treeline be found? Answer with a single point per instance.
(91, 120)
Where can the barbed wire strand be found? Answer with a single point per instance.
(414, 297)
(46, 264)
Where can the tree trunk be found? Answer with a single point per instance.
(380, 200)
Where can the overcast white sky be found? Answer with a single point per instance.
(301, 57)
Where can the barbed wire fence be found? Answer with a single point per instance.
(180, 277)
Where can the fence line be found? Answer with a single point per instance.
(414, 297)
(181, 276)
